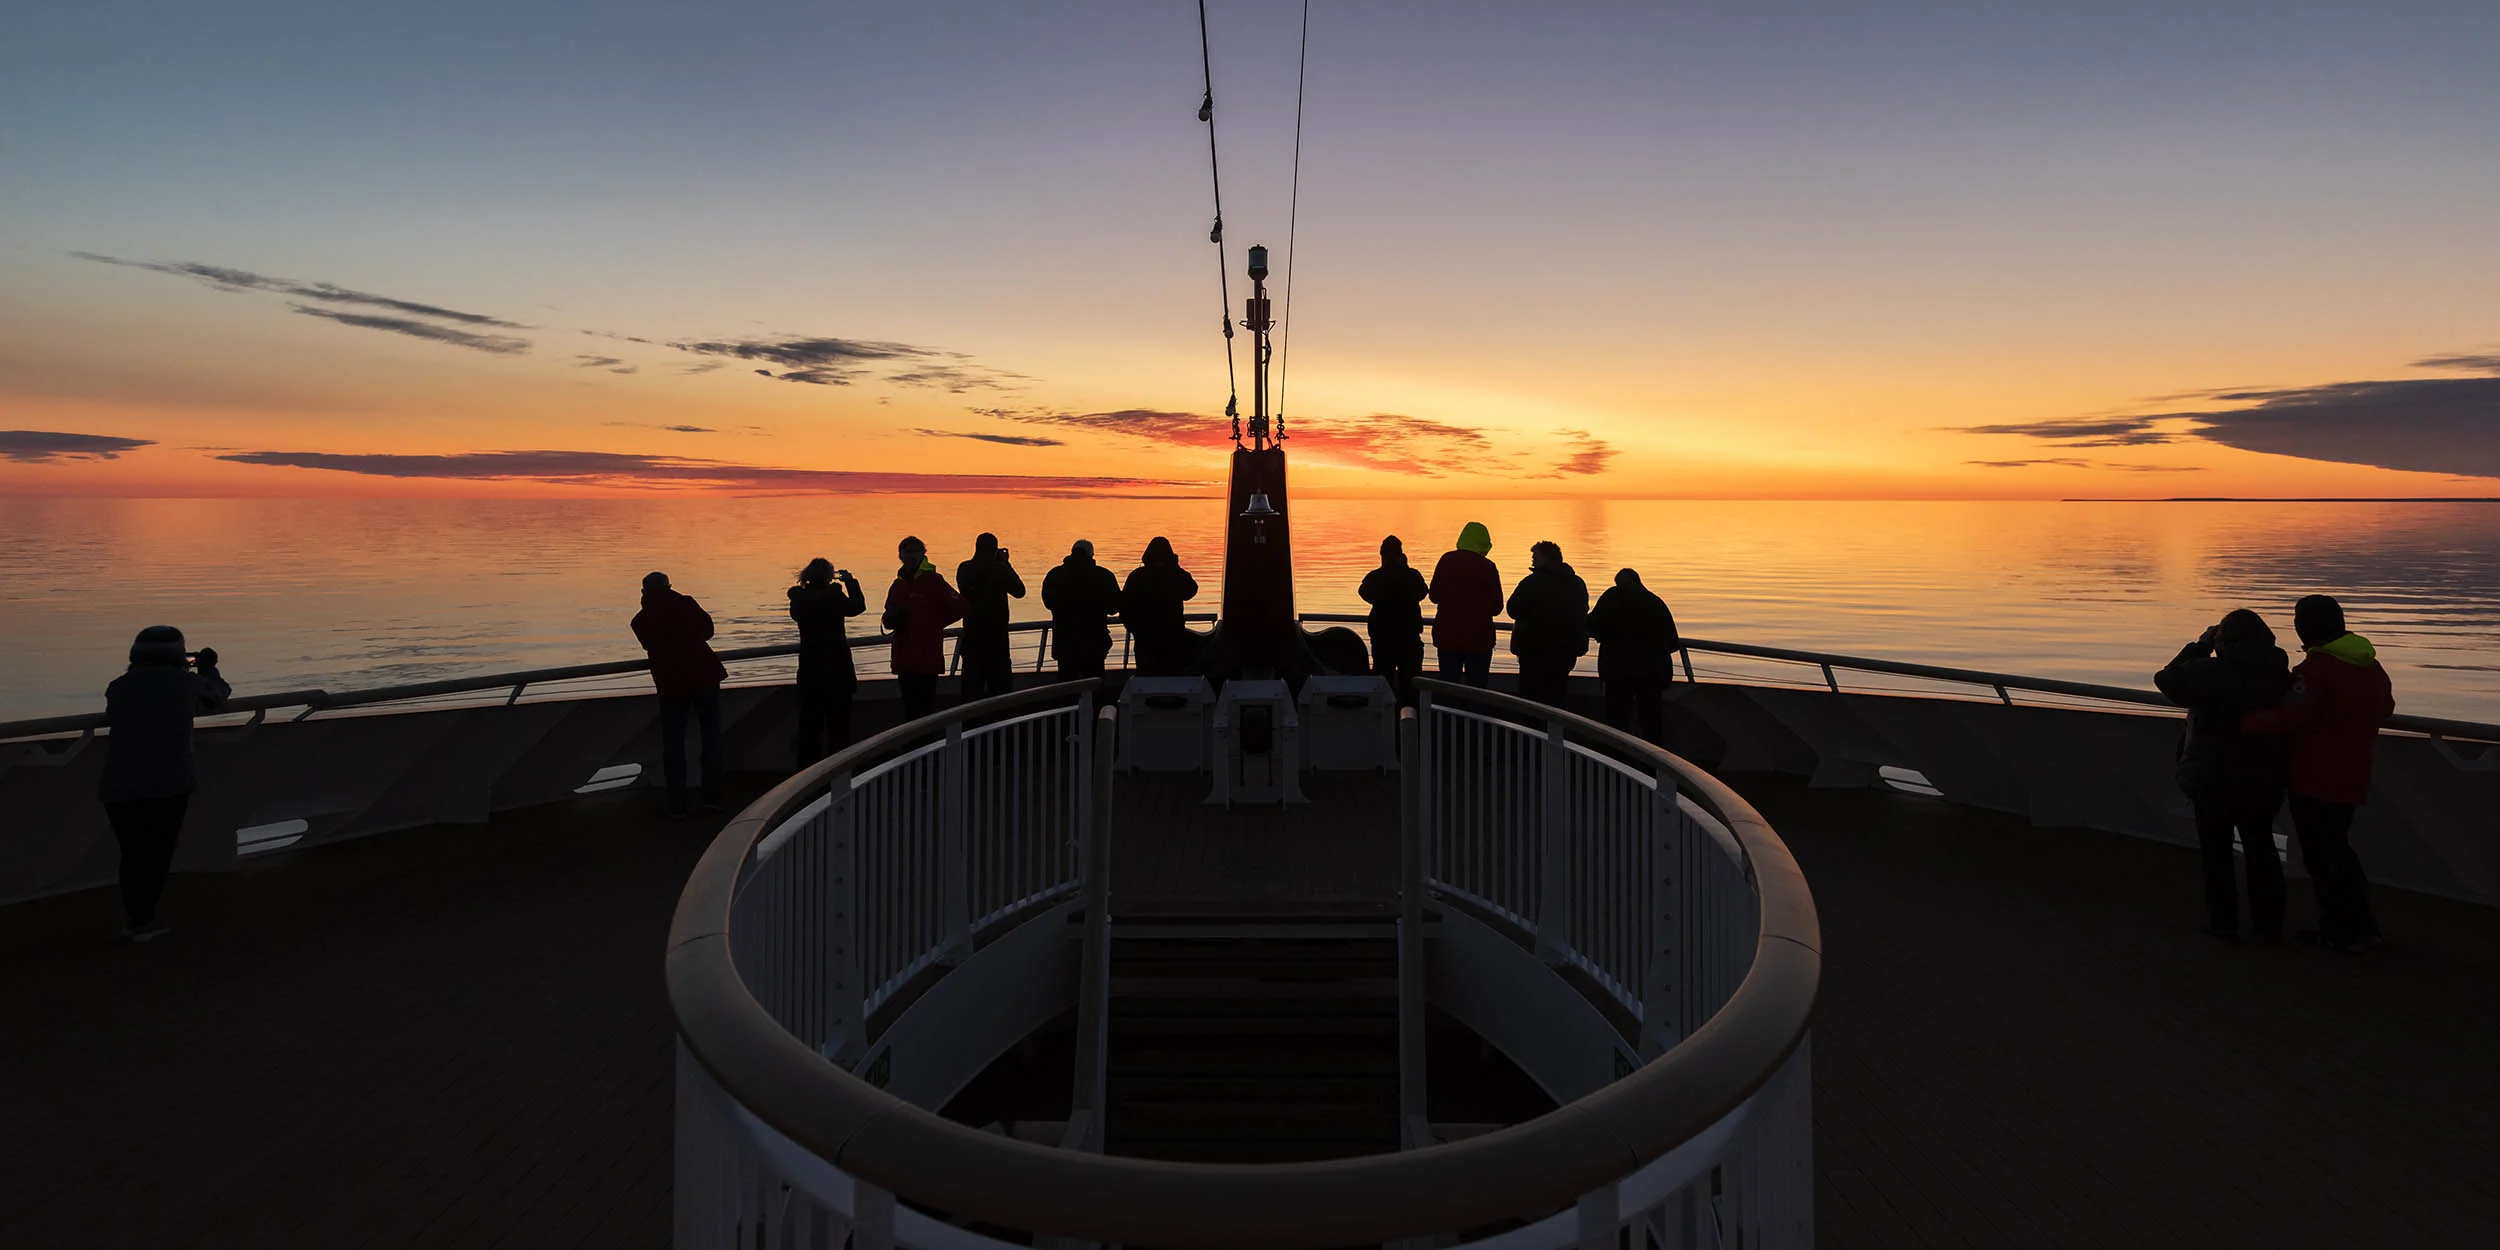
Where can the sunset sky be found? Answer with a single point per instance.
(1552, 249)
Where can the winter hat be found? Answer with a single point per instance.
(157, 644)
(1160, 551)
(2241, 625)
(1629, 579)
(2318, 619)
(655, 581)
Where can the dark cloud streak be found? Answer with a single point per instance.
(46, 446)
(497, 344)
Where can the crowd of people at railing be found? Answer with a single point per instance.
(2258, 730)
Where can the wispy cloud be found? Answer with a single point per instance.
(1009, 440)
(499, 344)
(45, 446)
(609, 363)
(1585, 453)
(818, 361)
(957, 379)
(2471, 362)
(2087, 431)
(228, 279)
(626, 469)
(2062, 462)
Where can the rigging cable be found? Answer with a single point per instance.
(1223, 268)
(1293, 215)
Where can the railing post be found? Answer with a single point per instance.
(1414, 1120)
(1553, 905)
(1093, 1014)
(954, 852)
(845, 1029)
(1600, 1214)
(1662, 986)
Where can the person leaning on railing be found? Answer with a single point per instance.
(1636, 645)
(1082, 597)
(1467, 590)
(1549, 625)
(1153, 604)
(1396, 593)
(676, 633)
(2340, 696)
(918, 608)
(148, 770)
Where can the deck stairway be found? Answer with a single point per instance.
(1252, 1042)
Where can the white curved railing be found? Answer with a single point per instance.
(1573, 870)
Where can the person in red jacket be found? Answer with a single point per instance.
(1467, 594)
(677, 634)
(918, 608)
(2340, 696)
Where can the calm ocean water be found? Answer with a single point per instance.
(343, 594)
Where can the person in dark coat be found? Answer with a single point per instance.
(1152, 605)
(1549, 625)
(148, 771)
(986, 581)
(676, 633)
(1082, 597)
(2235, 779)
(1467, 590)
(827, 679)
(1396, 591)
(2339, 698)
(918, 608)
(1636, 645)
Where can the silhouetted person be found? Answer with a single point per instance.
(1152, 605)
(2339, 698)
(1466, 590)
(1396, 592)
(1082, 597)
(827, 679)
(1636, 645)
(918, 608)
(148, 772)
(986, 581)
(2235, 779)
(677, 634)
(1549, 625)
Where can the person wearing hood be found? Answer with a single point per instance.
(1396, 592)
(1636, 645)
(2339, 698)
(2234, 778)
(986, 581)
(1152, 604)
(1082, 597)
(676, 633)
(1549, 625)
(918, 608)
(1466, 591)
(821, 606)
(148, 770)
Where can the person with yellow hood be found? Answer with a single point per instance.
(2340, 696)
(1466, 594)
(918, 608)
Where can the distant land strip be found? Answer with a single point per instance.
(2289, 499)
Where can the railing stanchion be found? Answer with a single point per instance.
(1093, 1016)
(1600, 1213)
(1662, 985)
(1553, 860)
(1415, 1125)
(845, 1027)
(954, 852)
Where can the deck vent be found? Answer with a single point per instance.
(1908, 781)
(277, 834)
(612, 777)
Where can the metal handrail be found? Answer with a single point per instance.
(1999, 682)
(1537, 1166)
(324, 701)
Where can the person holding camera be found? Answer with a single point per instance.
(987, 581)
(2233, 778)
(821, 606)
(148, 771)
(676, 633)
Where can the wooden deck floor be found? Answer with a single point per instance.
(456, 1037)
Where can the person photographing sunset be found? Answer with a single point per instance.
(821, 605)
(148, 773)
(1466, 590)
